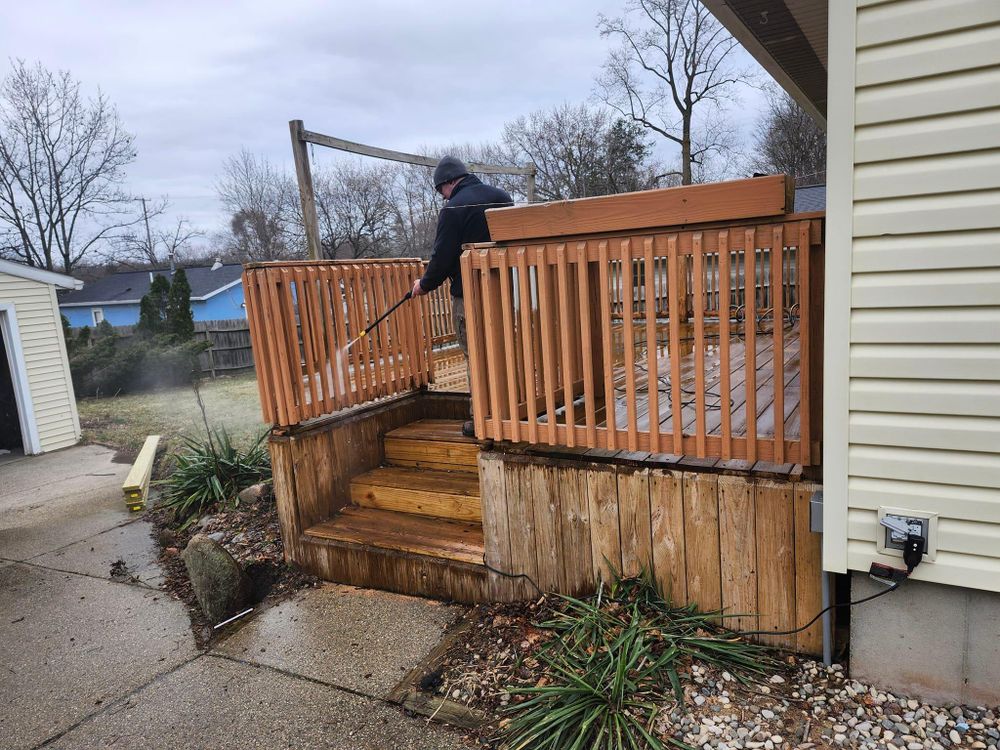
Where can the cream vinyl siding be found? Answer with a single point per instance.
(45, 361)
(920, 428)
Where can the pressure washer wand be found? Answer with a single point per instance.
(382, 317)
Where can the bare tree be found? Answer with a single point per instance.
(62, 159)
(789, 141)
(263, 206)
(151, 243)
(675, 64)
(355, 204)
(579, 151)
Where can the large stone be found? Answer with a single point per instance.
(255, 492)
(219, 583)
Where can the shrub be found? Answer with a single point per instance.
(614, 660)
(212, 472)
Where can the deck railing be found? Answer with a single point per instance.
(303, 314)
(700, 367)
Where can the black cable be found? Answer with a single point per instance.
(822, 612)
(505, 574)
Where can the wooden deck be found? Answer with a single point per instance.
(451, 374)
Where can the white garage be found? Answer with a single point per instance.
(37, 404)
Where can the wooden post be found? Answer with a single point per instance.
(530, 189)
(306, 192)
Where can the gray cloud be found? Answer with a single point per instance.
(196, 81)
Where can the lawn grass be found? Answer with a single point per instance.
(123, 422)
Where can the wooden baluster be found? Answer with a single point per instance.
(725, 395)
(566, 324)
(750, 340)
(528, 335)
(494, 354)
(335, 336)
(387, 335)
(586, 342)
(652, 365)
(805, 344)
(777, 296)
(628, 335)
(293, 357)
(265, 358)
(510, 343)
(478, 383)
(678, 286)
(380, 352)
(355, 308)
(546, 322)
(605, 292)
(338, 296)
(401, 339)
(320, 341)
(698, 266)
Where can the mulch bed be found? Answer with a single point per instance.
(250, 533)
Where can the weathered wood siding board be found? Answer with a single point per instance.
(731, 542)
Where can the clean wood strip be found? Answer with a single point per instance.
(577, 568)
(805, 344)
(264, 357)
(738, 554)
(608, 358)
(509, 346)
(652, 371)
(355, 305)
(396, 345)
(701, 541)
(546, 308)
(689, 204)
(406, 341)
(521, 513)
(666, 502)
(425, 454)
(326, 341)
(775, 560)
(338, 295)
(634, 519)
(750, 337)
(477, 365)
(368, 492)
(778, 305)
(275, 322)
(602, 498)
(337, 383)
(496, 529)
(528, 337)
(548, 535)
(566, 332)
(307, 322)
(284, 288)
(674, 346)
(586, 343)
(808, 572)
(627, 295)
(492, 361)
(699, 344)
(725, 364)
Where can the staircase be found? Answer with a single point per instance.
(417, 515)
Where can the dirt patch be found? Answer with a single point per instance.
(251, 534)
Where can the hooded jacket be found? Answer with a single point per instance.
(462, 220)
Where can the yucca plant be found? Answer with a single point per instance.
(614, 660)
(212, 472)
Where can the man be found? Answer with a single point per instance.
(462, 220)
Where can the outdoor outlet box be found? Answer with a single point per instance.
(924, 523)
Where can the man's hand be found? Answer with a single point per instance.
(417, 289)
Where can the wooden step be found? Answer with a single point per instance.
(432, 444)
(404, 532)
(426, 492)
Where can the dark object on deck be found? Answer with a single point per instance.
(220, 585)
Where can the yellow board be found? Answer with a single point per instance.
(136, 487)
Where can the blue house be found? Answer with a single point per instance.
(215, 295)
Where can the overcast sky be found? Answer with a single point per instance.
(195, 81)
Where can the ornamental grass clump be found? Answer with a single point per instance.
(614, 660)
(212, 472)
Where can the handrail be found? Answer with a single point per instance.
(662, 341)
(302, 315)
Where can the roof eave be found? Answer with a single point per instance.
(721, 10)
(39, 274)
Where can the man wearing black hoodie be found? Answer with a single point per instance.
(462, 220)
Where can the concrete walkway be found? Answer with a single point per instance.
(88, 661)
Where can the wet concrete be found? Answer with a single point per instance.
(359, 639)
(217, 703)
(87, 661)
(55, 499)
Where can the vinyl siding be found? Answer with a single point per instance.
(45, 360)
(922, 414)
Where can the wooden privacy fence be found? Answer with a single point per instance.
(737, 377)
(304, 314)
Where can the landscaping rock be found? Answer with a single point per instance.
(219, 583)
(255, 492)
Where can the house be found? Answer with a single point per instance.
(216, 294)
(909, 92)
(37, 403)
